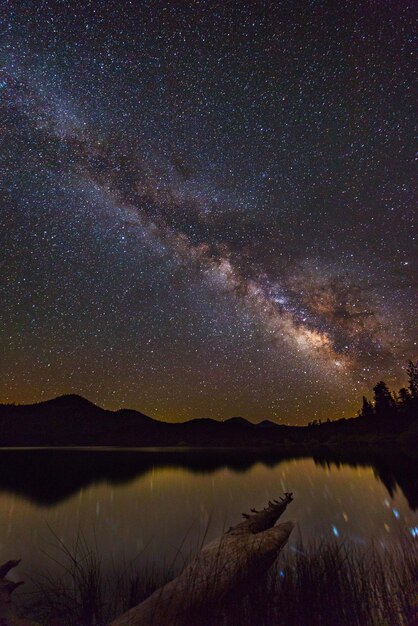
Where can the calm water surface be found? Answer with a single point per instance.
(158, 508)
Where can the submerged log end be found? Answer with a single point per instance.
(7, 586)
(6, 567)
(9, 614)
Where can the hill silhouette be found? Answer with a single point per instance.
(72, 420)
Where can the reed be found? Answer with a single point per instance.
(314, 584)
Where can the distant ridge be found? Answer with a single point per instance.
(71, 420)
(67, 399)
(68, 403)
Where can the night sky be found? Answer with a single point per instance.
(207, 207)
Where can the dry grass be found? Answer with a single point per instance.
(333, 584)
(317, 584)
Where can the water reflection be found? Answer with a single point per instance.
(145, 505)
(50, 476)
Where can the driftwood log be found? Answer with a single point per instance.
(224, 567)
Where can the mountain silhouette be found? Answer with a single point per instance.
(71, 420)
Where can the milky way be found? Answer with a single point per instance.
(206, 210)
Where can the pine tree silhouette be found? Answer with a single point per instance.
(384, 404)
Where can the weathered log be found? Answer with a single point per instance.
(227, 564)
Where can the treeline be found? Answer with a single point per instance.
(387, 405)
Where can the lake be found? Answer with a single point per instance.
(157, 506)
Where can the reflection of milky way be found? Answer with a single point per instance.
(287, 212)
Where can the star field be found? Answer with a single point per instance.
(207, 209)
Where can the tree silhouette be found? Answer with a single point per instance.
(384, 404)
(404, 397)
(367, 410)
(412, 371)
